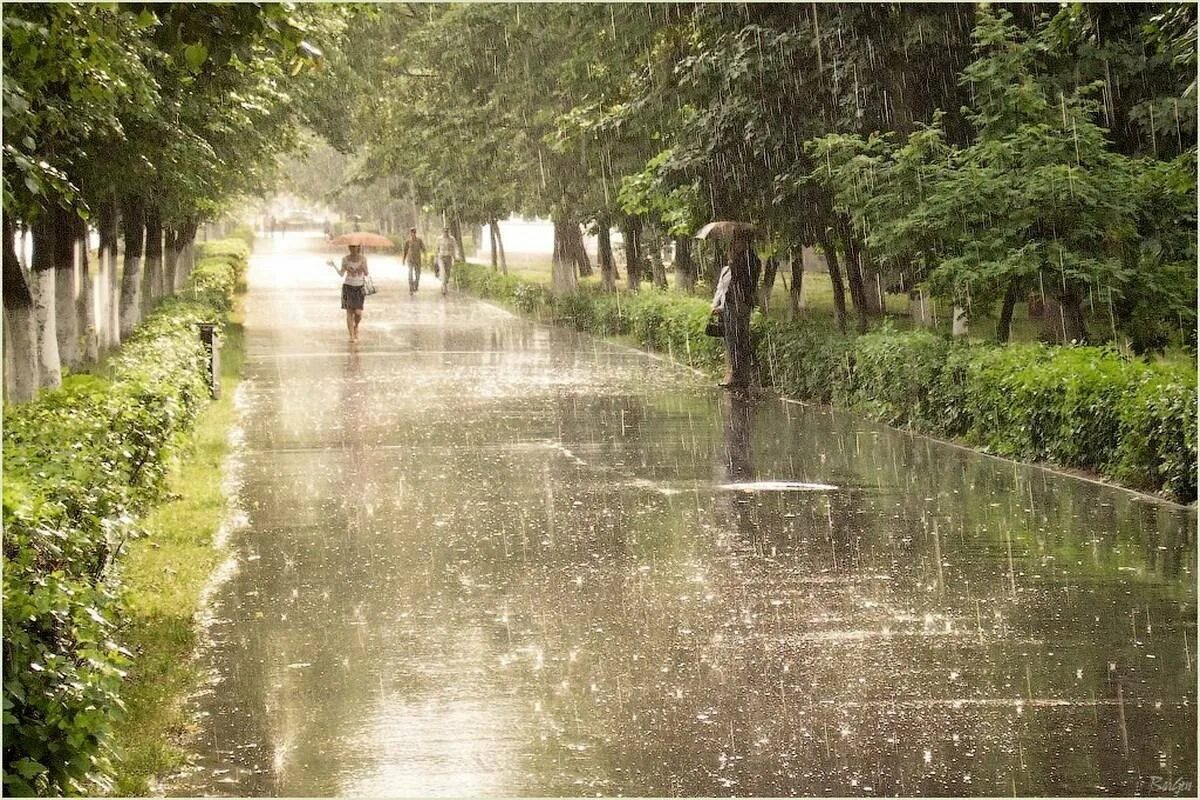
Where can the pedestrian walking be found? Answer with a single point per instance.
(354, 279)
(445, 257)
(414, 250)
(733, 301)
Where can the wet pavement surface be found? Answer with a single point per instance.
(482, 556)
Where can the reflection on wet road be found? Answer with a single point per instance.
(483, 556)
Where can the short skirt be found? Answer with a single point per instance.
(352, 297)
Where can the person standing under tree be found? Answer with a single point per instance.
(733, 300)
(445, 257)
(414, 251)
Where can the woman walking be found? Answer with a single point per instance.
(354, 278)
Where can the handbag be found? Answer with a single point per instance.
(369, 287)
(715, 327)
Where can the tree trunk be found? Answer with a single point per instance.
(959, 326)
(66, 284)
(456, 232)
(133, 223)
(1071, 314)
(796, 291)
(90, 340)
(20, 326)
(1004, 324)
(685, 265)
(770, 270)
(186, 244)
(652, 250)
(500, 248)
(921, 308)
(835, 278)
(578, 250)
(854, 275)
(876, 298)
(563, 279)
(152, 278)
(172, 244)
(493, 235)
(630, 231)
(42, 262)
(106, 277)
(604, 255)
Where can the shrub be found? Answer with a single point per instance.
(807, 361)
(1157, 437)
(80, 463)
(528, 297)
(892, 373)
(233, 251)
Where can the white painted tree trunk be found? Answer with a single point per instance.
(960, 327)
(49, 367)
(20, 354)
(131, 296)
(183, 266)
(90, 340)
(921, 309)
(112, 258)
(66, 314)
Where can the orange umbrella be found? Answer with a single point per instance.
(364, 239)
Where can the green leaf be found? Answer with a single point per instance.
(196, 55)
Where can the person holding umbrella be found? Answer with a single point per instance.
(734, 299)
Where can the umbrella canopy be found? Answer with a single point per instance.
(364, 239)
(726, 229)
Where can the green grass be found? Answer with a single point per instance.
(164, 574)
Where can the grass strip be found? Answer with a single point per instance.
(164, 573)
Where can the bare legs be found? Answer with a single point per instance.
(353, 320)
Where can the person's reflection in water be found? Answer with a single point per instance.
(353, 425)
(736, 458)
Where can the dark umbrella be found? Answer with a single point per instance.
(726, 229)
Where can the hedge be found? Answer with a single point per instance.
(1088, 408)
(80, 463)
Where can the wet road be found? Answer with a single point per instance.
(483, 556)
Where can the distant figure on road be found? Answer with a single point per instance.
(354, 277)
(734, 300)
(414, 251)
(271, 225)
(445, 257)
(328, 230)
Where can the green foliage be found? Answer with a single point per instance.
(892, 373)
(80, 463)
(1157, 436)
(1039, 197)
(807, 361)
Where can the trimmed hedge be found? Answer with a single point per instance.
(80, 463)
(1088, 408)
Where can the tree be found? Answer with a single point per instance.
(1037, 198)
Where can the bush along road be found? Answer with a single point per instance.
(1085, 408)
(82, 464)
